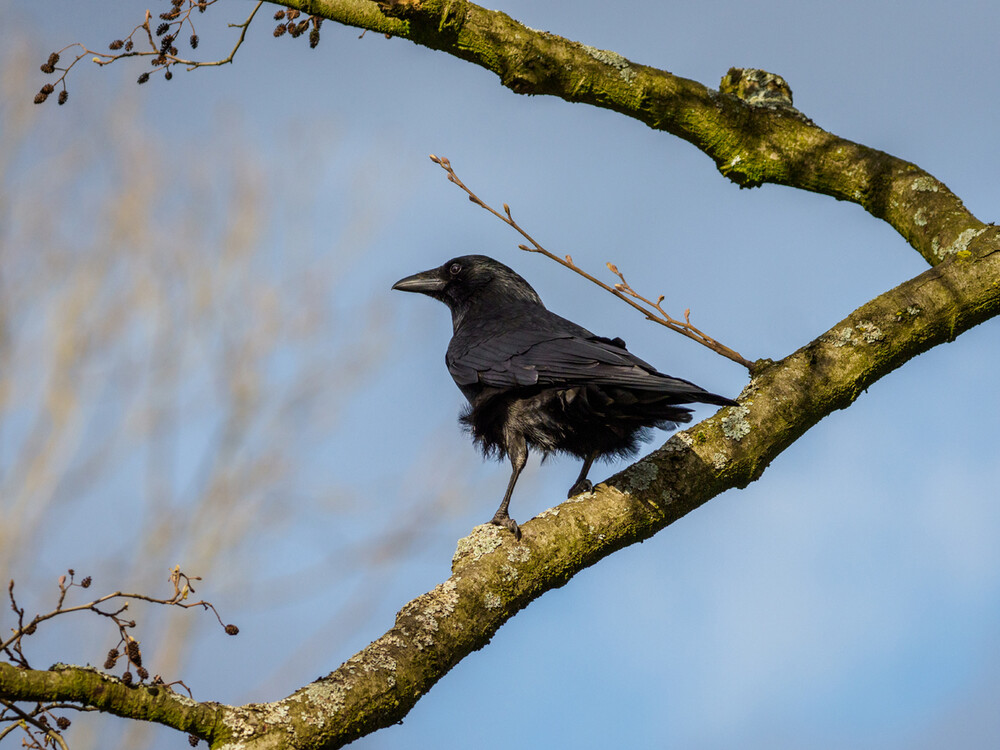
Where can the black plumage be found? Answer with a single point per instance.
(536, 380)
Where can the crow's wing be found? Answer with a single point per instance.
(524, 357)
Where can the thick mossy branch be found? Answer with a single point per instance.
(495, 576)
(752, 139)
(69, 684)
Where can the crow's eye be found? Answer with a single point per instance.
(455, 269)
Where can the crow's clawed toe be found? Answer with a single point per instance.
(508, 523)
(583, 485)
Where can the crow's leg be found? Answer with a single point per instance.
(517, 451)
(582, 484)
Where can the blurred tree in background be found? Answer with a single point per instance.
(168, 375)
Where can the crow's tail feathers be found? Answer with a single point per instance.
(713, 398)
(677, 391)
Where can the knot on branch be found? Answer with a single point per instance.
(757, 87)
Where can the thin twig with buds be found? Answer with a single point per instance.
(622, 290)
(161, 46)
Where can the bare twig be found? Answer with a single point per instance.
(12, 646)
(38, 720)
(622, 290)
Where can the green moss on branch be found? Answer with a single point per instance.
(752, 138)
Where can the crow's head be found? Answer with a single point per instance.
(461, 282)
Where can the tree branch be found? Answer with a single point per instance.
(494, 577)
(749, 127)
(89, 687)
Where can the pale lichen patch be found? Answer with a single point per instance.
(920, 217)
(719, 461)
(959, 246)
(483, 540)
(924, 184)
(680, 442)
(735, 425)
(319, 701)
(377, 658)
(492, 601)
(277, 711)
(613, 59)
(865, 332)
(324, 697)
(749, 390)
(870, 332)
(519, 554)
(239, 723)
(428, 610)
(844, 337)
(641, 476)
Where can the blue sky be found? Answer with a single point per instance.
(851, 597)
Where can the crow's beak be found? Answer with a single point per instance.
(426, 282)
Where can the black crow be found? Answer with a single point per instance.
(536, 380)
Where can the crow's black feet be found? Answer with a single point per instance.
(508, 523)
(582, 485)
